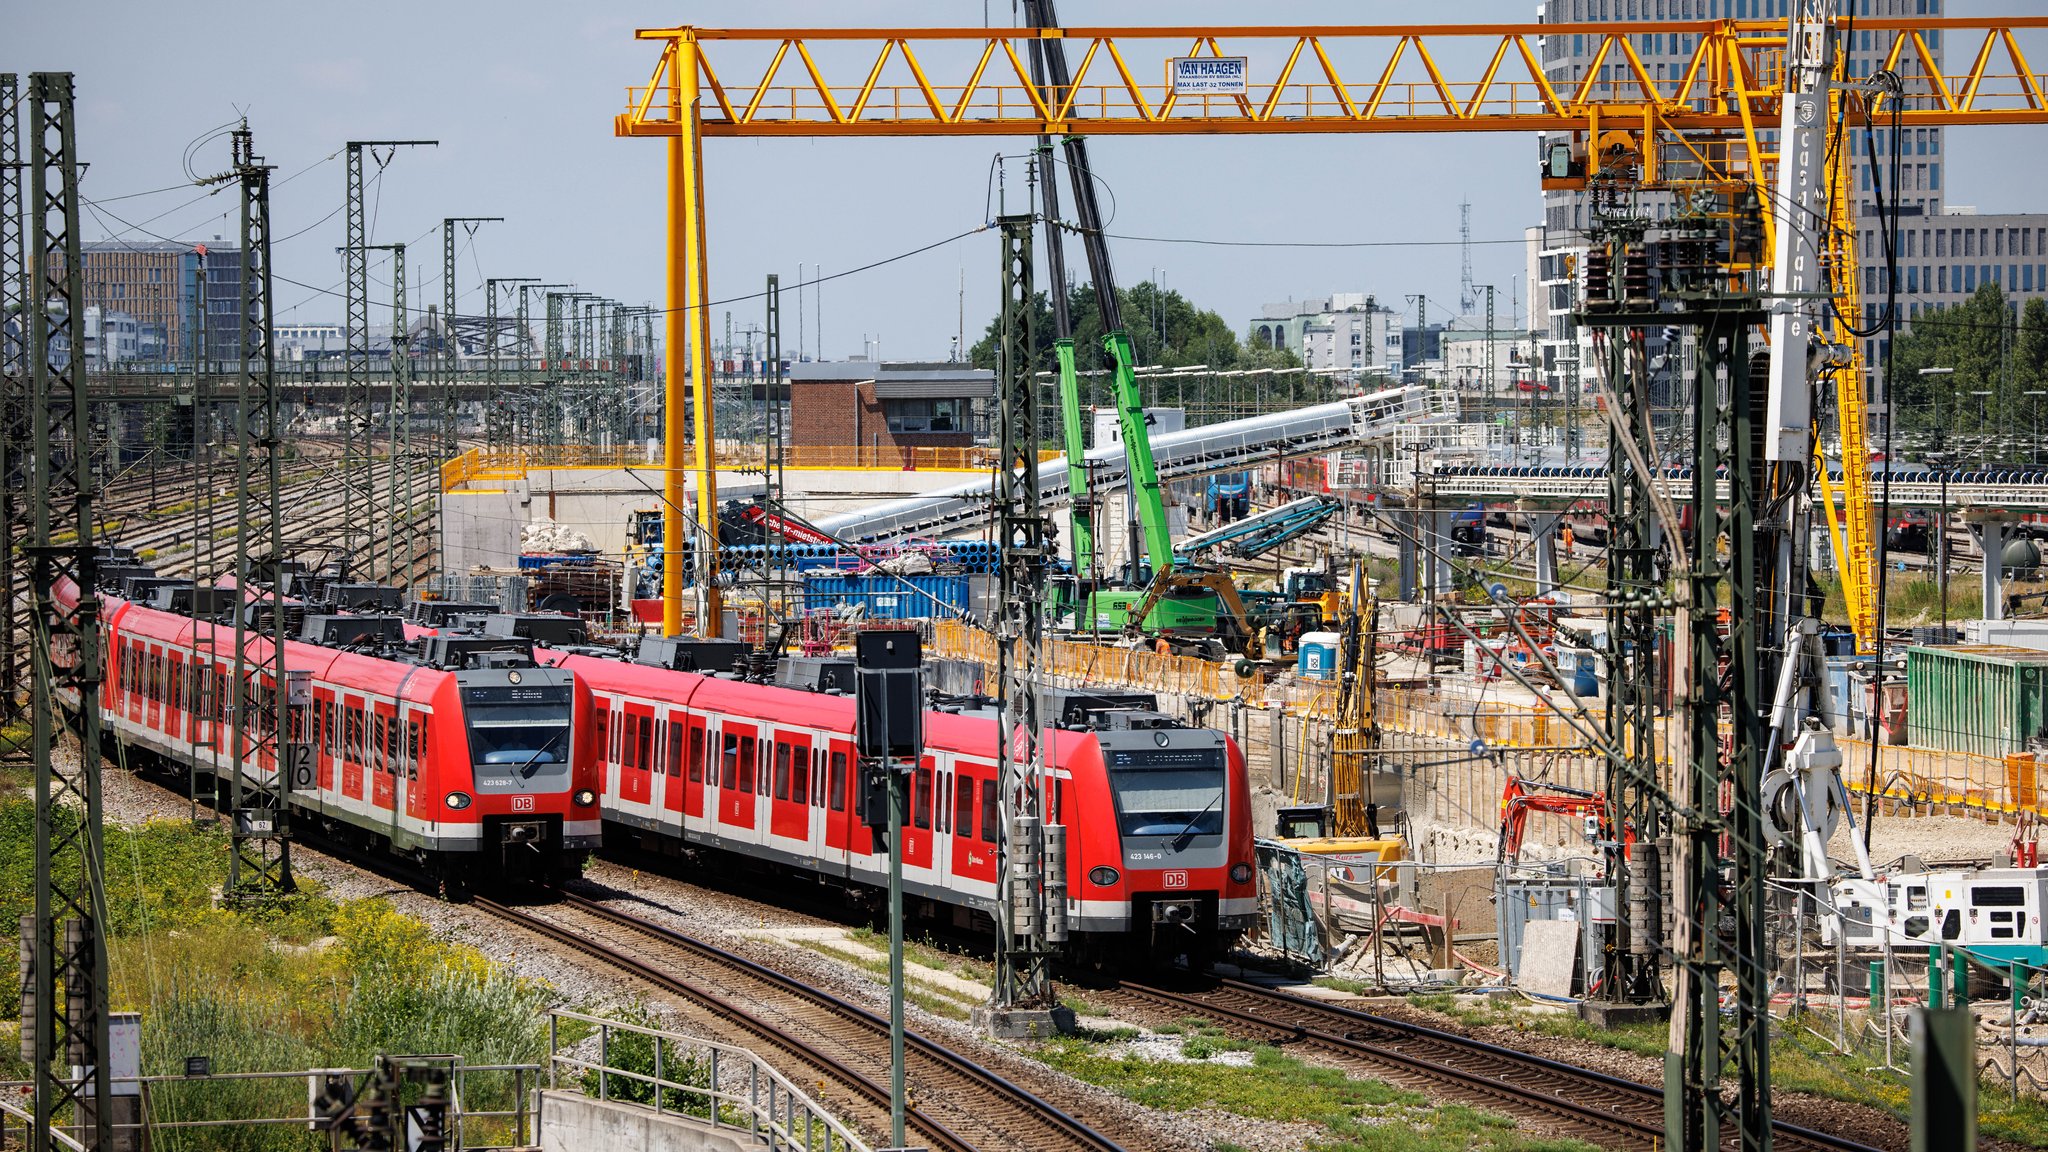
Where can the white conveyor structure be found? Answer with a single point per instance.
(1232, 446)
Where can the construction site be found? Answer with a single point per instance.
(1610, 713)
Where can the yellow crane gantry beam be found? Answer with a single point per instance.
(1705, 121)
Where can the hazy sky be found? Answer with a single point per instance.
(521, 96)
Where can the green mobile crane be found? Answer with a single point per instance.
(1155, 595)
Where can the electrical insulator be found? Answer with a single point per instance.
(1635, 275)
(1055, 883)
(28, 988)
(1599, 276)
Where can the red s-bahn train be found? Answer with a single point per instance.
(474, 770)
(1157, 815)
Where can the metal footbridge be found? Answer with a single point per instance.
(1231, 446)
(1976, 491)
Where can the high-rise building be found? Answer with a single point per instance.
(157, 282)
(1943, 253)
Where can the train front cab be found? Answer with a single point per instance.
(534, 787)
(1172, 873)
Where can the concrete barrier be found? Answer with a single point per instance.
(573, 1122)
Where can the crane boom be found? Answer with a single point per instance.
(1147, 502)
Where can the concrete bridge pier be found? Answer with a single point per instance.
(1991, 530)
(1543, 530)
(1407, 578)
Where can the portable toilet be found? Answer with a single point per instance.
(1317, 658)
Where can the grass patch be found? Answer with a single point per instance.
(1494, 1011)
(1359, 1115)
(295, 982)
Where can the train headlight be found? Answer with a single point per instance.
(1103, 877)
(457, 800)
(584, 797)
(1240, 873)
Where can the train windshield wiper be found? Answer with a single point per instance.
(1181, 838)
(532, 764)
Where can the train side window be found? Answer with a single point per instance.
(413, 729)
(922, 797)
(391, 742)
(675, 748)
(627, 746)
(988, 811)
(646, 743)
(943, 807)
(781, 770)
(1059, 801)
(729, 761)
(836, 781)
(378, 733)
(747, 763)
(799, 778)
(963, 807)
(696, 754)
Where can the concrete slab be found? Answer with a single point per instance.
(1550, 956)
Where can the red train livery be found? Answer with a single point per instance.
(472, 772)
(1158, 818)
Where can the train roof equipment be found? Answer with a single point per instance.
(360, 632)
(690, 654)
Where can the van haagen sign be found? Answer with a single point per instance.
(1208, 75)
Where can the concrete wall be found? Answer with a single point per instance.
(573, 1122)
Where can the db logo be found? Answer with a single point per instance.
(1175, 879)
(522, 803)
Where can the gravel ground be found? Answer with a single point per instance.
(724, 919)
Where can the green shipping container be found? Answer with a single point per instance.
(1990, 699)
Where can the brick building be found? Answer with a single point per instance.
(871, 404)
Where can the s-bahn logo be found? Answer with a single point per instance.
(1175, 880)
(522, 803)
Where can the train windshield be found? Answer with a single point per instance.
(1168, 801)
(519, 738)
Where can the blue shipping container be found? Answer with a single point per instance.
(886, 597)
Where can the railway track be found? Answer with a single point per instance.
(1606, 1110)
(839, 1041)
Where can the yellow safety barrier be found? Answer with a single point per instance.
(499, 464)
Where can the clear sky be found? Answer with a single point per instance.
(521, 96)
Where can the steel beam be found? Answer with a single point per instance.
(69, 947)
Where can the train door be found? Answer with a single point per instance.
(789, 809)
(674, 738)
(695, 761)
(174, 708)
(974, 849)
(917, 833)
(384, 786)
(636, 754)
(738, 757)
(844, 833)
(351, 747)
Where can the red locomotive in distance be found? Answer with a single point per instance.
(1155, 817)
(470, 760)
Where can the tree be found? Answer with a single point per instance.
(1974, 340)
(1164, 327)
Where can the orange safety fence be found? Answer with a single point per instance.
(490, 464)
(1925, 778)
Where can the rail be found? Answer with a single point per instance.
(727, 1087)
(500, 464)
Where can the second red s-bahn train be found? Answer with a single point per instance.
(1159, 857)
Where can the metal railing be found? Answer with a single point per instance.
(725, 1086)
(515, 1121)
(27, 1120)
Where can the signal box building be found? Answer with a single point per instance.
(889, 404)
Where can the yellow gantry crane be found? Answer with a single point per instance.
(1707, 123)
